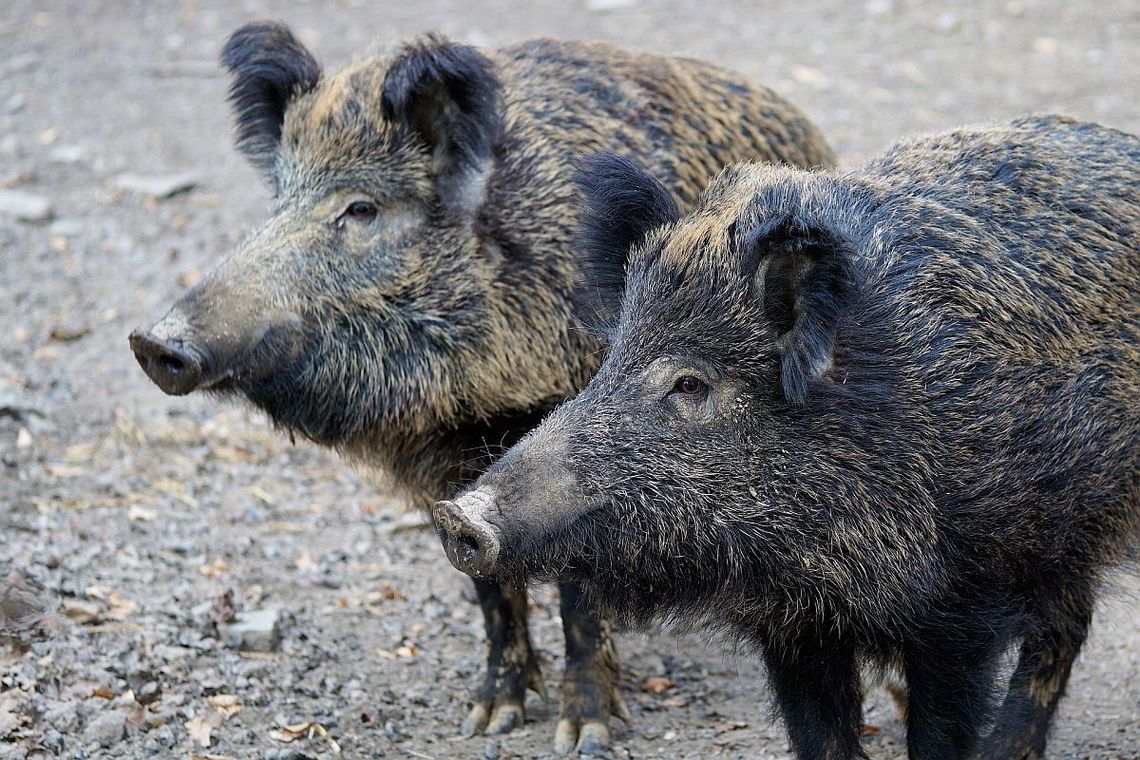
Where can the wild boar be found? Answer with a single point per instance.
(884, 416)
(407, 300)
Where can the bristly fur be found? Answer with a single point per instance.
(620, 205)
(956, 482)
(269, 67)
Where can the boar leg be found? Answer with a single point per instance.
(819, 695)
(512, 666)
(950, 680)
(1043, 667)
(590, 692)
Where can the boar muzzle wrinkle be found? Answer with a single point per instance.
(471, 543)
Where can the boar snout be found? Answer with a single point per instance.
(217, 332)
(472, 543)
(175, 367)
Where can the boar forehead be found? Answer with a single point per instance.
(336, 136)
(688, 292)
(689, 298)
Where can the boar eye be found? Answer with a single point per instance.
(361, 211)
(688, 385)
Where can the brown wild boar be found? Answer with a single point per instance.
(407, 300)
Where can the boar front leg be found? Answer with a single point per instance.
(950, 674)
(512, 666)
(817, 688)
(590, 692)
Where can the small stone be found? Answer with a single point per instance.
(26, 207)
(156, 185)
(601, 6)
(67, 154)
(491, 750)
(253, 631)
(810, 77)
(15, 402)
(16, 103)
(107, 730)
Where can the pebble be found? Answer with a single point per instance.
(26, 207)
(16, 103)
(68, 154)
(253, 631)
(156, 185)
(107, 730)
(601, 6)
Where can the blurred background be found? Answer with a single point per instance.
(133, 527)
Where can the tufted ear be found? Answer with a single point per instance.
(620, 205)
(269, 67)
(806, 280)
(447, 94)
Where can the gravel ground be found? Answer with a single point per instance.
(141, 525)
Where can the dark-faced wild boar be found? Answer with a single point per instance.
(408, 299)
(881, 416)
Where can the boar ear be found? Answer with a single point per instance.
(806, 281)
(448, 95)
(620, 205)
(269, 68)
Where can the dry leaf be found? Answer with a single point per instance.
(58, 470)
(80, 453)
(406, 652)
(253, 594)
(82, 611)
(137, 513)
(190, 277)
(263, 496)
(200, 728)
(386, 591)
(215, 568)
(293, 731)
(68, 333)
(119, 608)
(658, 684)
(227, 704)
(305, 562)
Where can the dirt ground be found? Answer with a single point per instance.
(143, 522)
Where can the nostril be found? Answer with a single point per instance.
(469, 543)
(171, 363)
(467, 547)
